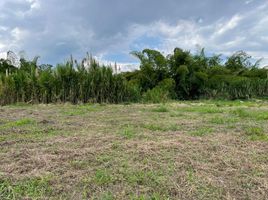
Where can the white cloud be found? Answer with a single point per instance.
(2, 46)
(56, 29)
(249, 1)
(189, 34)
(229, 25)
(3, 55)
(19, 34)
(35, 4)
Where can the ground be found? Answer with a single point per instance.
(178, 150)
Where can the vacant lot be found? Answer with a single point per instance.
(180, 150)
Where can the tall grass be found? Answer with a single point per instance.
(67, 82)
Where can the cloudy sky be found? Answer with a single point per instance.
(110, 29)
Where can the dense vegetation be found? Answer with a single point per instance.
(180, 75)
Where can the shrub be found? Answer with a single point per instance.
(156, 95)
(164, 91)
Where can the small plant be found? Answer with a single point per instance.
(156, 95)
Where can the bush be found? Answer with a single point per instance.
(156, 95)
(169, 86)
(133, 92)
(164, 91)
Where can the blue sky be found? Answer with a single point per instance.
(111, 29)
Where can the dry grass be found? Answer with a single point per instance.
(189, 150)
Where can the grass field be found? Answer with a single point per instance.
(179, 150)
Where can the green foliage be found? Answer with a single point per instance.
(156, 95)
(164, 91)
(67, 82)
(180, 75)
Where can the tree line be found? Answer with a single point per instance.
(180, 75)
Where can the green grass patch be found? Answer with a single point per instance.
(201, 132)
(127, 131)
(102, 177)
(161, 127)
(34, 188)
(252, 114)
(201, 109)
(106, 196)
(223, 120)
(35, 134)
(217, 120)
(19, 105)
(77, 110)
(79, 164)
(18, 123)
(177, 114)
(242, 113)
(143, 177)
(74, 112)
(256, 134)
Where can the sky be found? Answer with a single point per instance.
(111, 29)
